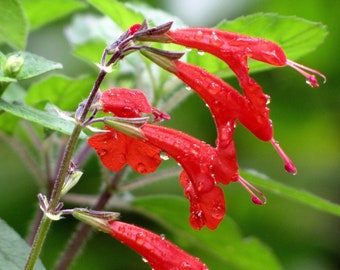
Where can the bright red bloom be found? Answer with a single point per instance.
(202, 171)
(125, 102)
(116, 149)
(157, 251)
(235, 48)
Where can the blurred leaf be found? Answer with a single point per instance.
(56, 10)
(223, 248)
(295, 35)
(64, 92)
(13, 249)
(13, 24)
(45, 119)
(300, 196)
(118, 12)
(34, 65)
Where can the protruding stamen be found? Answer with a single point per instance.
(159, 115)
(311, 79)
(252, 191)
(289, 165)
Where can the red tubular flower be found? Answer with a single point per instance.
(125, 102)
(158, 252)
(234, 49)
(116, 149)
(202, 167)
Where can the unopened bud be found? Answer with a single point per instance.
(128, 126)
(98, 219)
(13, 65)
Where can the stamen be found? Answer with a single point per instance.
(252, 191)
(311, 79)
(159, 115)
(289, 165)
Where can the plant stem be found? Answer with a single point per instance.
(38, 242)
(63, 169)
(84, 230)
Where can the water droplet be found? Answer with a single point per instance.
(268, 99)
(140, 238)
(102, 153)
(200, 52)
(144, 260)
(187, 49)
(215, 40)
(141, 168)
(199, 35)
(217, 211)
(162, 236)
(185, 266)
(188, 88)
(214, 88)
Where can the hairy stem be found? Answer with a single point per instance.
(84, 230)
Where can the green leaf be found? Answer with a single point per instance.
(118, 12)
(13, 24)
(64, 92)
(223, 248)
(300, 196)
(13, 250)
(56, 10)
(45, 119)
(296, 36)
(34, 65)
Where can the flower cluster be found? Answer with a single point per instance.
(130, 139)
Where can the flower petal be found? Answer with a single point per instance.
(157, 251)
(125, 102)
(116, 149)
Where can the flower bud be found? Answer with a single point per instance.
(13, 65)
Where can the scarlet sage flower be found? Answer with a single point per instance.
(116, 149)
(157, 251)
(226, 104)
(202, 168)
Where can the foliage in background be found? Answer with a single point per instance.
(144, 204)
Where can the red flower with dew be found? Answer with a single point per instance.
(226, 104)
(202, 168)
(116, 149)
(157, 251)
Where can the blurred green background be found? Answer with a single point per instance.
(306, 122)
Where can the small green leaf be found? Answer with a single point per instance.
(223, 248)
(296, 36)
(55, 10)
(45, 119)
(13, 24)
(34, 65)
(118, 12)
(64, 92)
(300, 196)
(13, 250)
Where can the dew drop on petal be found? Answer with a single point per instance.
(187, 49)
(214, 88)
(199, 35)
(215, 40)
(162, 236)
(144, 260)
(102, 152)
(140, 238)
(185, 266)
(141, 168)
(188, 88)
